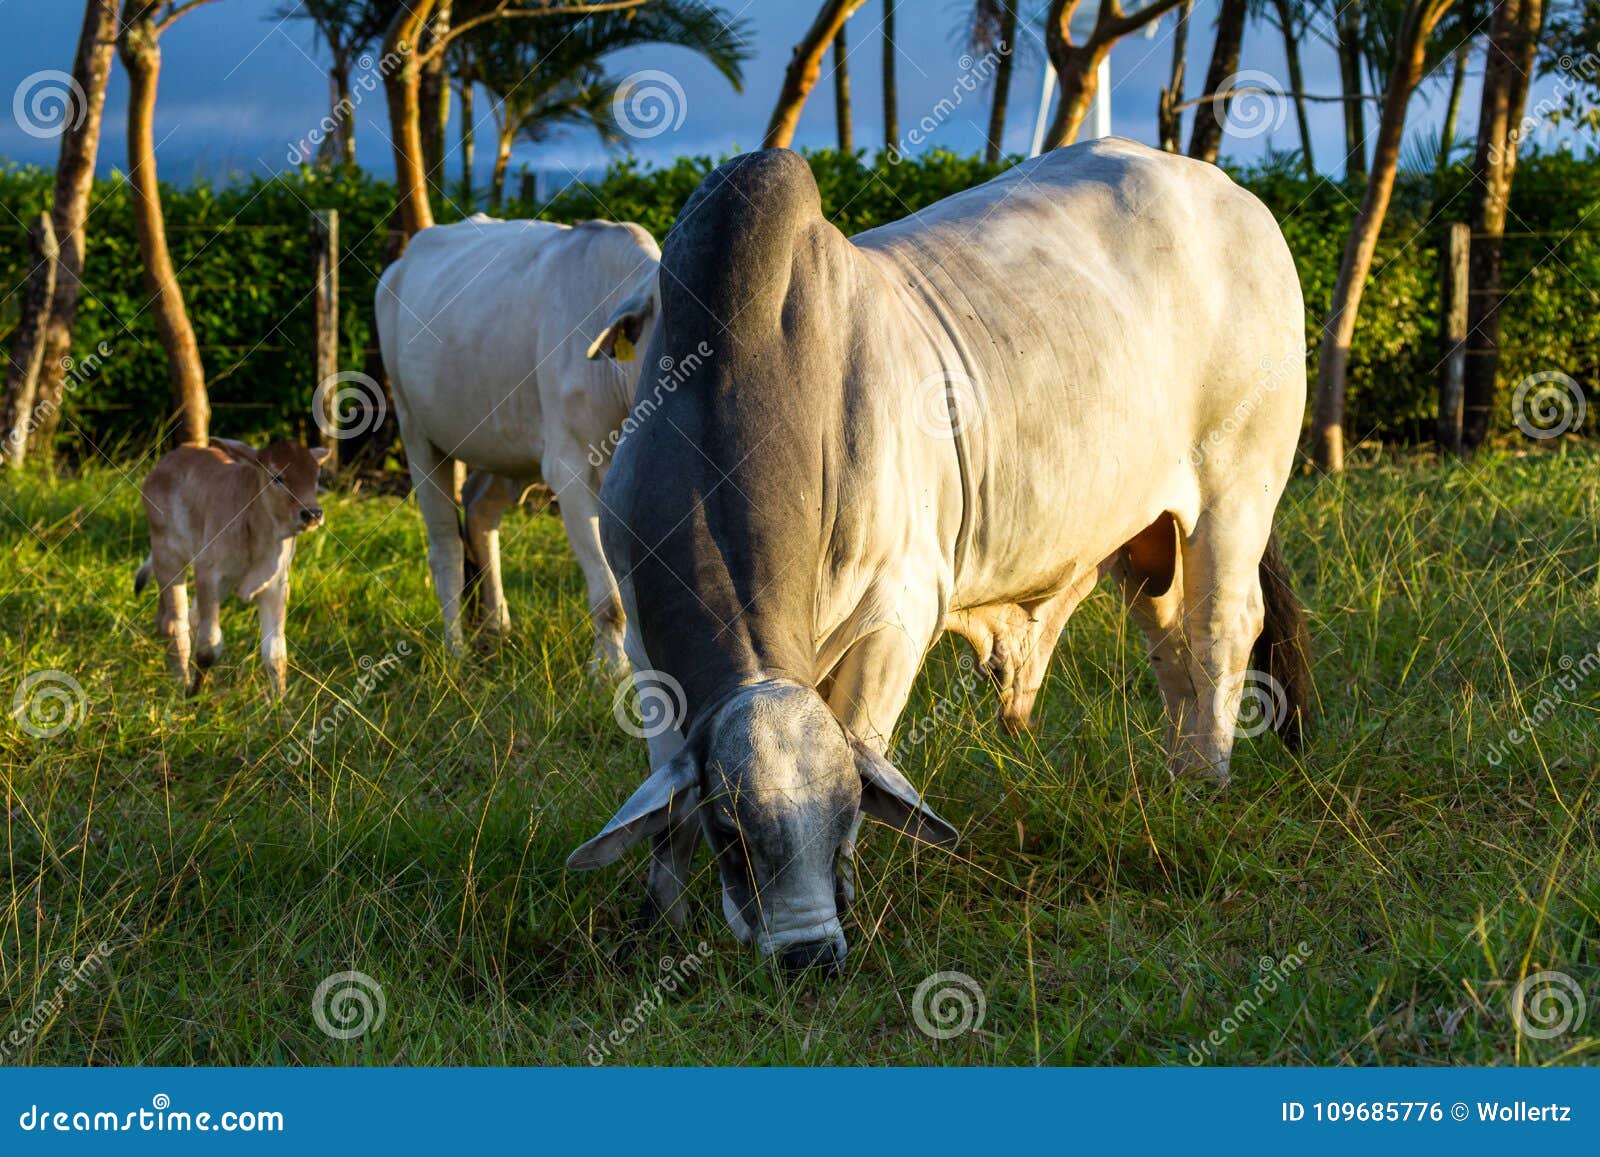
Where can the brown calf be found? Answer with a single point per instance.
(232, 513)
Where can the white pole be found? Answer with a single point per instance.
(1046, 90)
(1102, 99)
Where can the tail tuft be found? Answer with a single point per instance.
(1283, 649)
(142, 579)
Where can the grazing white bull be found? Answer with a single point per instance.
(1093, 363)
(485, 328)
(231, 513)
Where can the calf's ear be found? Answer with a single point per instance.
(623, 327)
(887, 796)
(673, 787)
(319, 454)
(238, 451)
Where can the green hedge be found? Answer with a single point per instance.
(243, 256)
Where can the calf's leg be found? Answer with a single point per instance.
(272, 606)
(208, 623)
(172, 622)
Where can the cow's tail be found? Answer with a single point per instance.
(1283, 650)
(142, 579)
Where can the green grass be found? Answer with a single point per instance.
(1108, 916)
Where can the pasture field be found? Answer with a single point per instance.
(183, 874)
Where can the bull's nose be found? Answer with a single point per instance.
(310, 514)
(825, 955)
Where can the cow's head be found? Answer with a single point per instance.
(779, 785)
(627, 331)
(288, 474)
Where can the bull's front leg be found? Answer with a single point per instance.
(868, 691)
(577, 489)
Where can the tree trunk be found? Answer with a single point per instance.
(346, 113)
(1452, 108)
(841, 93)
(1079, 77)
(1327, 425)
(1348, 46)
(27, 347)
(1291, 52)
(1205, 138)
(891, 95)
(1169, 118)
(140, 50)
(401, 89)
(80, 144)
(502, 159)
(805, 68)
(1002, 82)
(433, 100)
(1513, 43)
(469, 142)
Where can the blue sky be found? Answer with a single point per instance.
(239, 87)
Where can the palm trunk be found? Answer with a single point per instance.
(1327, 426)
(1513, 44)
(433, 99)
(1348, 45)
(27, 346)
(345, 110)
(1002, 82)
(1452, 109)
(80, 145)
(1297, 86)
(891, 95)
(805, 69)
(841, 93)
(1205, 139)
(1169, 117)
(469, 142)
(502, 160)
(139, 48)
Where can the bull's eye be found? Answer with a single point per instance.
(278, 480)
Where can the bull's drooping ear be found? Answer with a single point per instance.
(672, 787)
(238, 451)
(624, 326)
(319, 454)
(887, 796)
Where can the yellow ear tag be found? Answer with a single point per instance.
(622, 348)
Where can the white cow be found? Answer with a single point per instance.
(486, 331)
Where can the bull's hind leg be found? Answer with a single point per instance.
(172, 622)
(433, 479)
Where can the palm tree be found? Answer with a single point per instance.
(994, 31)
(345, 27)
(549, 74)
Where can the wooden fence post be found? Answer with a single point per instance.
(1453, 284)
(27, 347)
(325, 327)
